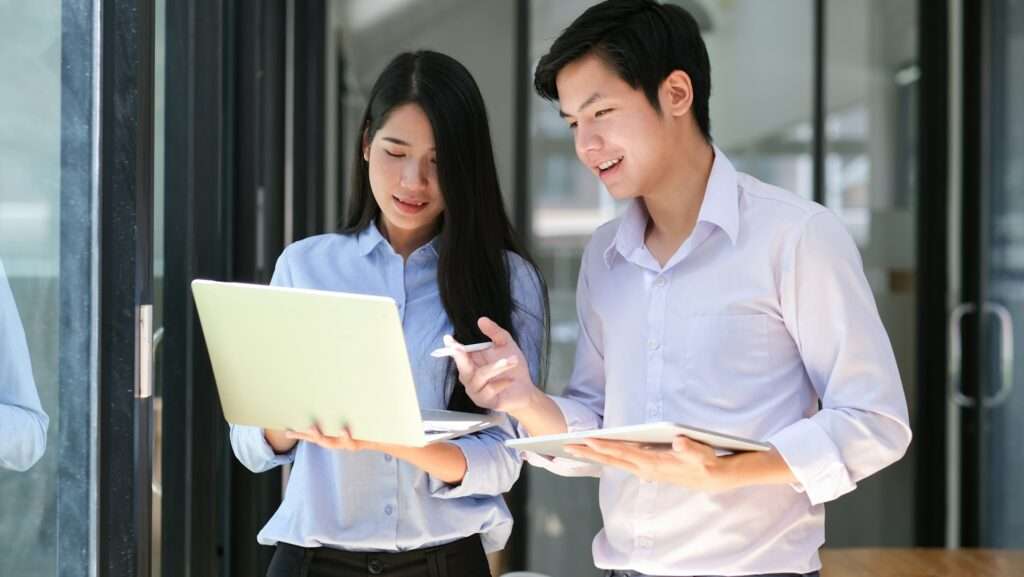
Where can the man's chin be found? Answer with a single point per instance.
(620, 191)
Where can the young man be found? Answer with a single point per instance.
(23, 423)
(717, 301)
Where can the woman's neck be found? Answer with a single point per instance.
(405, 241)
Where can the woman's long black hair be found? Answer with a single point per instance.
(472, 273)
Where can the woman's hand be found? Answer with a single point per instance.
(342, 442)
(441, 460)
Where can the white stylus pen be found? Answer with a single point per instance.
(447, 351)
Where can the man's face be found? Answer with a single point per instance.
(617, 133)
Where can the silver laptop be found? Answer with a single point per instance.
(287, 358)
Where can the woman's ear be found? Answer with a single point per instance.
(366, 146)
(676, 93)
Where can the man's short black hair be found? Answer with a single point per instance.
(643, 41)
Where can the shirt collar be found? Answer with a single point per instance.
(720, 208)
(370, 238)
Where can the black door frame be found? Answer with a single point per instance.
(125, 287)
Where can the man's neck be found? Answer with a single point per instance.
(674, 205)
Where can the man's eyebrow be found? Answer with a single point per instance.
(593, 98)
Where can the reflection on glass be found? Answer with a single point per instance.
(23, 423)
(1002, 507)
(871, 83)
(30, 171)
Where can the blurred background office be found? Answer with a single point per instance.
(144, 143)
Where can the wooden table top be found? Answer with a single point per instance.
(922, 563)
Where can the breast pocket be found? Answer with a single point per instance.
(728, 360)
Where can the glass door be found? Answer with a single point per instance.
(986, 398)
(999, 402)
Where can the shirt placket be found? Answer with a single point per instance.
(653, 403)
(389, 506)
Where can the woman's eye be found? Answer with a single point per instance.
(394, 154)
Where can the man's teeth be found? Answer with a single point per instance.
(608, 164)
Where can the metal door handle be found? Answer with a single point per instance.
(1005, 355)
(955, 368)
(145, 359)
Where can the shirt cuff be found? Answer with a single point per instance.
(814, 460)
(577, 418)
(473, 482)
(253, 450)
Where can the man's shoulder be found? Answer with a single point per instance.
(785, 206)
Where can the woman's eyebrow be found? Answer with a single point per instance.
(398, 141)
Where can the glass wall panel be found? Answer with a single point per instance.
(30, 178)
(871, 75)
(1003, 423)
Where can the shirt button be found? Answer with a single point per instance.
(387, 458)
(660, 282)
(645, 543)
(388, 510)
(375, 567)
(653, 345)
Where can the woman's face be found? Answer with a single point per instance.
(403, 174)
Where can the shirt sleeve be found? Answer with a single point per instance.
(248, 443)
(23, 423)
(829, 309)
(491, 467)
(582, 403)
(252, 449)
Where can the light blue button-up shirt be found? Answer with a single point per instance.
(23, 423)
(368, 501)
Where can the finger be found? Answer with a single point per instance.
(499, 336)
(621, 450)
(485, 374)
(463, 362)
(489, 395)
(585, 452)
(686, 447)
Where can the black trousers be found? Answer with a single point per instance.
(462, 558)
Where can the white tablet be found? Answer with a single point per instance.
(287, 358)
(659, 435)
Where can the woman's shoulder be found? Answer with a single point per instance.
(526, 278)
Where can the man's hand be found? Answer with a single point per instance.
(689, 464)
(497, 378)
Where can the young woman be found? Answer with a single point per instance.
(427, 228)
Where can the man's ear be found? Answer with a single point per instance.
(676, 94)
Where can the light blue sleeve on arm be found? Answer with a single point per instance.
(248, 443)
(23, 423)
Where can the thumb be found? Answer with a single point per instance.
(499, 336)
